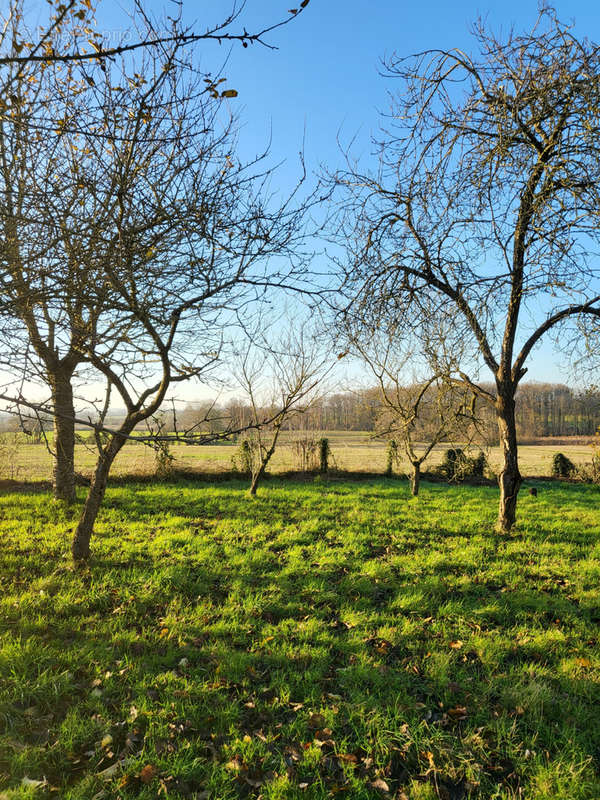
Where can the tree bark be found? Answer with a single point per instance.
(415, 479)
(257, 476)
(256, 479)
(63, 471)
(80, 547)
(510, 478)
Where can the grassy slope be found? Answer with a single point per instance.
(338, 639)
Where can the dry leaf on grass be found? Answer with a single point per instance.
(583, 662)
(380, 784)
(316, 721)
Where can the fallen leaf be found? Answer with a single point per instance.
(583, 662)
(148, 773)
(460, 712)
(456, 645)
(255, 780)
(109, 773)
(316, 721)
(32, 784)
(380, 784)
(126, 780)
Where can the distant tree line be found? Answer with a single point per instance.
(542, 409)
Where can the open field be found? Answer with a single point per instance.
(352, 451)
(326, 639)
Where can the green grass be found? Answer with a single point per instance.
(324, 640)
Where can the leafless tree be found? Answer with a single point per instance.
(67, 117)
(485, 206)
(134, 242)
(420, 404)
(279, 375)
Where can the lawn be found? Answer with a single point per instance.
(327, 639)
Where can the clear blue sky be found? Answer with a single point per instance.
(323, 78)
(323, 83)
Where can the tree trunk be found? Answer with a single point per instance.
(63, 473)
(257, 476)
(415, 478)
(510, 478)
(80, 547)
(256, 479)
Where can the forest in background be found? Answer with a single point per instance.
(542, 410)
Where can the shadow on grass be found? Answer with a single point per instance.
(333, 635)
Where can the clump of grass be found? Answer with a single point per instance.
(391, 457)
(333, 639)
(324, 454)
(562, 466)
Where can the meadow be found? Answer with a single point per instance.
(351, 451)
(330, 638)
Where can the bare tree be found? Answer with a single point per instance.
(278, 376)
(134, 242)
(68, 99)
(422, 415)
(42, 257)
(485, 206)
(420, 404)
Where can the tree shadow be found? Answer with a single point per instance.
(422, 653)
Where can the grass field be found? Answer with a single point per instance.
(352, 451)
(328, 639)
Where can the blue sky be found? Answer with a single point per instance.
(323, 79)
(322, 83)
